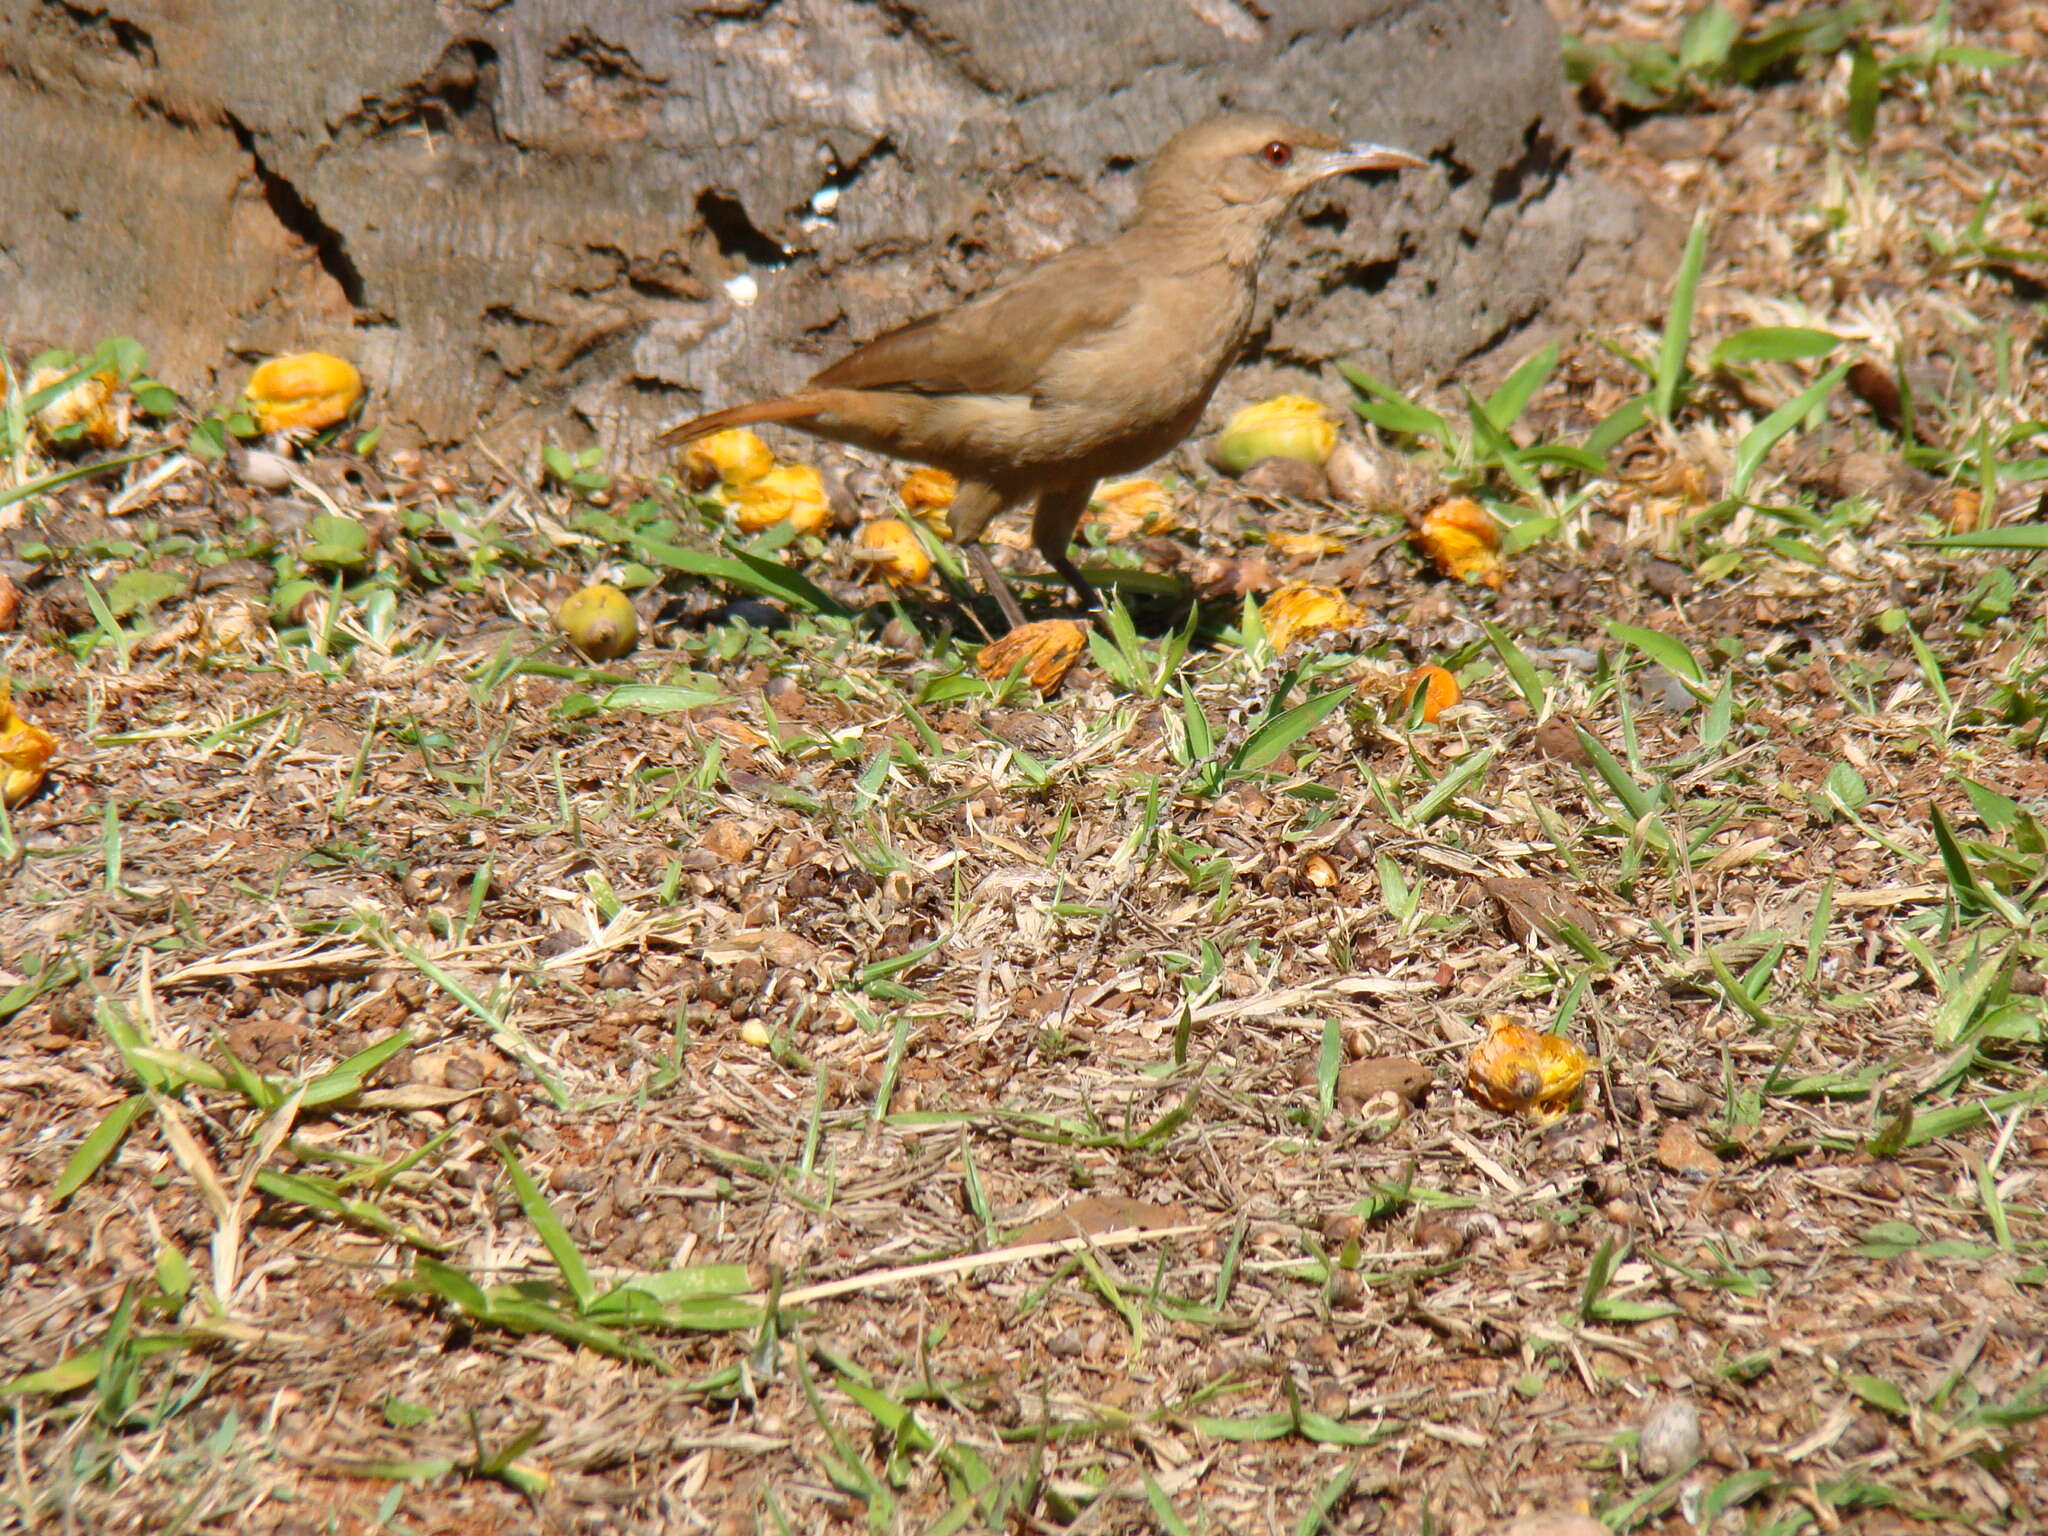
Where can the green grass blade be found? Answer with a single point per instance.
(1627, 417)
(1520, 669)
(1385, 406)
(1451, 785)
(1640, 802)
(1505, 405)
(1326, 1498)
(1865, 82)
(1765, 435)
(1668, 653)
(1170, 1522)
(2030, 537)
(98, 1146)
(346, 1080)
(1270, 741)
(1773, 344)
(553, 1235)
(747, 571)
(1668, 373)
(62, 477)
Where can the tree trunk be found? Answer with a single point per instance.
(599, 216)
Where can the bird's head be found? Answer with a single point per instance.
(1244, 172)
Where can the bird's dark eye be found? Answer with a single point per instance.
(1277, 154)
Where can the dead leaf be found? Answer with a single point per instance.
(1231, 576)
(1679, 1150)
(1558, 739)
(1093, 1214)
(1530, 906)
(728, 840)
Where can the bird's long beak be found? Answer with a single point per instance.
(1361, 157)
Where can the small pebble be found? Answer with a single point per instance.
(1669, 1439)
(1660, 690)
(260, 469)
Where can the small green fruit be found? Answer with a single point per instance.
(1286, 427)
(600, 622)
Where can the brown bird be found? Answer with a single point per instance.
(1094, 362)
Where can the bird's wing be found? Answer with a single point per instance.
(999, 342)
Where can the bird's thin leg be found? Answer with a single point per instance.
(1059, 513)
(975, 504)
(998, 588)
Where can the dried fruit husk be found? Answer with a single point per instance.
(93, 404)
(25, 752)
(732, 457)
(1464, 541)
(891, 547)
(1047, 651)
(1300, 610)
(927, 494)
(1304, 546)
(1128, 509)
(1518, 1070)
(1437, 689)
(793, 493)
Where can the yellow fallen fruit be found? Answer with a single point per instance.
(928, 496)
(1438, 689)
(733, 457)
(303, 392)
(1046, 650)
(757, 1034)
(599, 621)
(1965, 510)
(1304, 546)
(91, 404)
(1464, 541)
(891, 546)
(1285, 427)
(1520, 1071)
(25, 752)
(792, 493)
(1300, 610)
(1126, 509)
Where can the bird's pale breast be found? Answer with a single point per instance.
(1115, 404)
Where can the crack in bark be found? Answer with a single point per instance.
(300, 218)
(110, 33)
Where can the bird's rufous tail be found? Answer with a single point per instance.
(785, 408)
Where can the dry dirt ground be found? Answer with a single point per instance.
(445, 1087)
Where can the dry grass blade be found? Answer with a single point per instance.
(967, 1263)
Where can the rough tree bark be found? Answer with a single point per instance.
(608, 212)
